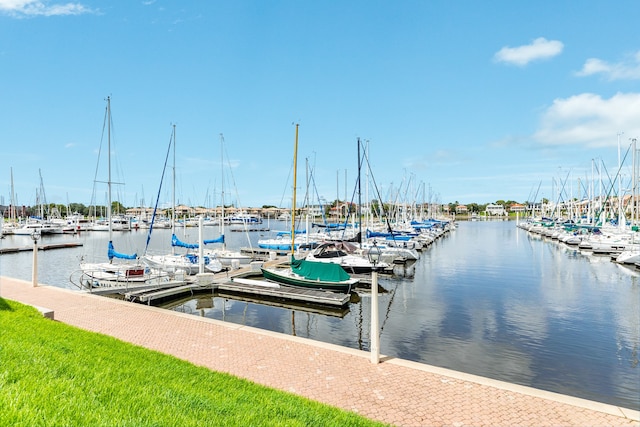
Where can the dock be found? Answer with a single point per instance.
(40, 247)
(258, 287)
(264, 254)
(243, 282)
(250, 228)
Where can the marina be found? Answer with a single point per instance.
(490, 299)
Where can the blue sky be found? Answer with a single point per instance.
(462, 101)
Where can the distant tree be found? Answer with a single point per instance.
(78, 207)
(117, 207)
(375, 207)
(473, 207)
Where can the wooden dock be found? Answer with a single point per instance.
(263, 288)
(149, 295)
(40, 247)
(240, 282)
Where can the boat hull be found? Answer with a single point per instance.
(288, 277)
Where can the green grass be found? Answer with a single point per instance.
(52, 374)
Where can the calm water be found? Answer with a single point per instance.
(489, 300)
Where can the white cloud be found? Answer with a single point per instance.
(540, 48)
(629, 69)
(589, 120)
(20, 8)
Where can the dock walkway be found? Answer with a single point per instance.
(396, 391)
(44, 247)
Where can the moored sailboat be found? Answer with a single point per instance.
(130, 269)
(188, 262)
(308, 274)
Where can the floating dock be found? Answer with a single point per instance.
(40, 247)
(233, 282)
(274, 290)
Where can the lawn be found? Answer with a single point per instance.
(52, 374)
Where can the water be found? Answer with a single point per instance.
(489, 300)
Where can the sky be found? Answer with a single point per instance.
(454, 101)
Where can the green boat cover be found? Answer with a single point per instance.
(324, 271)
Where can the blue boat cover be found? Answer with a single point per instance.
(177, 242)
(111, 253)
(218, 240)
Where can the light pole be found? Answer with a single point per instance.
(34, 275)
(374, 257)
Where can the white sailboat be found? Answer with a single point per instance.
(226, 256)
(189, 262)
(126, 268)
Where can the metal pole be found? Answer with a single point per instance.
(200, 246)
(34, 276)
(375, 337)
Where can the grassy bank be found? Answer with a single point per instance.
(52, 374)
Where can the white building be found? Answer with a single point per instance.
(495, 210)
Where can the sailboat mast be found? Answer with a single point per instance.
(358, 210)
(13, 213)
(224, 245)
(621, 221)
(293, 203)
(173, 192)
(109, 168)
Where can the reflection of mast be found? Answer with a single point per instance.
(293, 323)
(386, 316)
(359, 326)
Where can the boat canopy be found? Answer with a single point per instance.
(111, 253)
(324, 271)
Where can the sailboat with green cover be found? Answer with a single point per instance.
(309, 274)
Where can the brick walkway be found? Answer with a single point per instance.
(396, 391)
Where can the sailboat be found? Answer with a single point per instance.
(108, 273)
(187, 262)
(225, 255)
(308, 274)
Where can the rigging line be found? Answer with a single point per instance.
(313, 183)
(95, 175)
(383, 213)
(225, 154)
(155, 208)
(613, 183)
(535, 197)
(560, 194)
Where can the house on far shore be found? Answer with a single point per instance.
(495, 210)
(461, 209)
(516, 207)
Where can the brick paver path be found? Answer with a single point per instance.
(396, 391)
